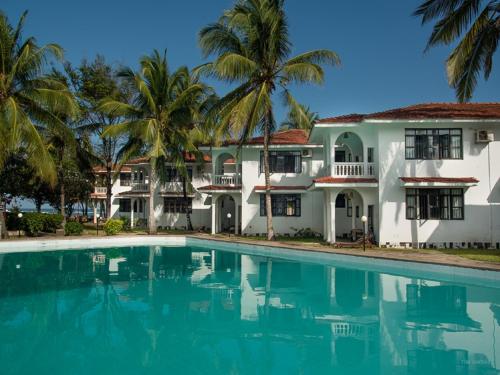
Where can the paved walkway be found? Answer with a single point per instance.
(407, 255)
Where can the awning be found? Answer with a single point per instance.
(438, 181)
(331, 182)
(281, 189)
(220, 189)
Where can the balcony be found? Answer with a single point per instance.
(233, 179)
(100, 190)
(358, 169)
(139, 186)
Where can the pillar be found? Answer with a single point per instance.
(214, 214)
(331, 204)
(94, 209)
(132, 202)
(326, 214)
(236, 216)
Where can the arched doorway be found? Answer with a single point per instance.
(348, 213)
(348, 148)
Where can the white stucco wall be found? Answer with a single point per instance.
(482, 202)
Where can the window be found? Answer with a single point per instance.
(282, 204)
(283, 162)
(173, 174)
(435, 204)
(177, 205)
(125, 205)
(349, 207)
(357, 211)
(371, 152)
(433, 144)
(138, 206)
(340, 201)
(125, 179)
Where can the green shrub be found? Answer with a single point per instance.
(126, 222)
(73, 228)
(32, 223)
(113, 227)
(51, 222)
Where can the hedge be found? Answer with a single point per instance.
(32, 223)
(73, 228)
(113, 227)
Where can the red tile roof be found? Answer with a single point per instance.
(343, 180)
(220, 187)
(425, 111)
(286, 137)
(188, 157)
(263, 188)
(440, 179)
(102, 169)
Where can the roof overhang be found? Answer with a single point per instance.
(133, 194)
(343, 182)
(429, 182)
(281, 189)
(220, 189)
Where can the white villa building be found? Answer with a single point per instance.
(425, 175)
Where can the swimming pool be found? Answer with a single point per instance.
(208, 307)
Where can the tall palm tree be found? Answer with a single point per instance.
(29, 99)
(152, 119)
(252, 47)
(304, 119)
(477, 26)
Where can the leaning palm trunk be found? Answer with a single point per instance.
(3, 226)
(109, 186)
(267, 174)
(185, 198)
(152, 180)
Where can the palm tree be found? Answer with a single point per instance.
(158, 106)
(29, 99)
(252, 47)
(477, 23)
(304, 119)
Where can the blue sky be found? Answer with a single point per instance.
(380, 44)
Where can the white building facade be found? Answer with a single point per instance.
(426, 175)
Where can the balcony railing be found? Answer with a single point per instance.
(227, 179)
(353, 169)
(100, 190)
(139, 186)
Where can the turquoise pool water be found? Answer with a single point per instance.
(194, 310)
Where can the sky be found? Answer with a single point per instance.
(380, 43)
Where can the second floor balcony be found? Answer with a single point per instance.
(350, 169)
(232, 179)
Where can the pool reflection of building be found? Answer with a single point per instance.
(234, 309)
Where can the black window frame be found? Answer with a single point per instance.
(349, 207)
(173, 175)
(434, 144)
(340, 201)
(435, 204)
(123, 204)
(125, 179)
(279, 205)
(282, 161)
(176, 205)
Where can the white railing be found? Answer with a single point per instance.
(139, 186)
(353, 169)
(227, 179)
(100, 190)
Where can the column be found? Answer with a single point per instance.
(94, 209)
(236, 215)
(325, 215)
(132, 202)
(214, 214)
(331, 203)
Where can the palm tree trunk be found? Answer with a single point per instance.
(62, 200)
(4, 234)
(109, 186)
(185, 198)
(152, 179)
(267, 174)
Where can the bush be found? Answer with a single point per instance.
(125, 223)
(306, 233)
(113, 227)
(73, 228)
(52, 222)
(32, 223)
